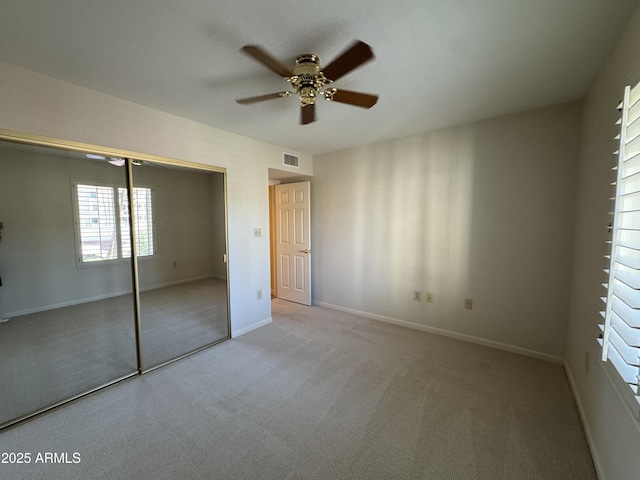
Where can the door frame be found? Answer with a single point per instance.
(273, 234)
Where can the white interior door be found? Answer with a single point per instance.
(293, 242)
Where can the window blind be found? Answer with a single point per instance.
(620, 337)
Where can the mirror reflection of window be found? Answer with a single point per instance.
(102, 232)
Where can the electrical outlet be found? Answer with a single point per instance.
(468, 303)
(428, 297)
(259, 294)
(417, 296)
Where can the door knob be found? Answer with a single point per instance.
(306, 250)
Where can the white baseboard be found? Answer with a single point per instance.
(64, 304)
(80, 301)
(583, 418)
(448, 333)
(242, 331)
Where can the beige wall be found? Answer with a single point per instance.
(36, 104)
(613, 431)
(482, 211)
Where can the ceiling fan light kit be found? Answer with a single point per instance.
(308, 78)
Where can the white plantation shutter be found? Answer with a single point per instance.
(620, 337)
(96, 223)
(123, 204)
(143, 221)
(103, 222)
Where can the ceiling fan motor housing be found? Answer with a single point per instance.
(307, 63)
(307, 78)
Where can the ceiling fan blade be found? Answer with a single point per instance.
(364, 100)
(261, 98)
(264, 57)
(308, 114)
(351, 58)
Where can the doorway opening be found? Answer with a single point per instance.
(290, 237)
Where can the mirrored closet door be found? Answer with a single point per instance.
(179, 218)
(66, 298)
(86, 302)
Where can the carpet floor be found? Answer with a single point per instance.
(319, 394)
(49, 356)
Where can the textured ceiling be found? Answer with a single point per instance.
(438, 62)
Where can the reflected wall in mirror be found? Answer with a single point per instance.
(73, 286)
(179, 219)
(66, 300)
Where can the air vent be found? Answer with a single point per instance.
(291, 160)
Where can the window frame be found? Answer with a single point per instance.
(630, 397)
(117, 219)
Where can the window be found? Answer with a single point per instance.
(103, 222)
(620, 337)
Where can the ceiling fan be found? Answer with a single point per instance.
(308, 78)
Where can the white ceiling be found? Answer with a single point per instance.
(438, 62)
